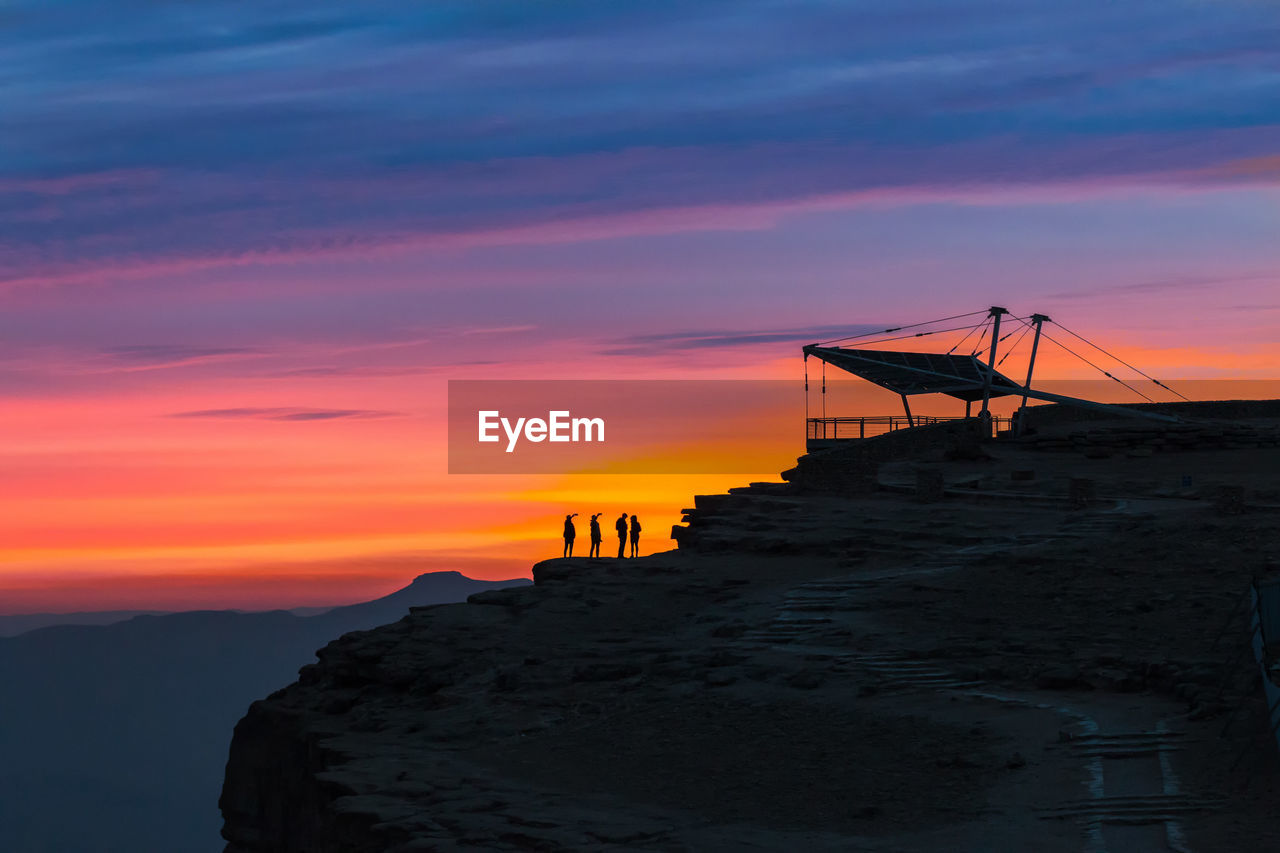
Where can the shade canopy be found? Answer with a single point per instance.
(959, 376)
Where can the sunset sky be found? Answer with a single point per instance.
(243, 246)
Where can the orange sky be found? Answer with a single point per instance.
(115, 503)
(272, 431)
(244, 247)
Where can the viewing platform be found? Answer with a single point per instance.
(822, 433)
(964, 377)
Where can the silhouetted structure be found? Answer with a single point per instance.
(596, 537)
(621, 526)
(966, 377)
(635, 536)
(569, 534)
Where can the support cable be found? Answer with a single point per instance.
(1011, 332)
(977, 347)
(904, 337)
(1015, 343)
(1003, 338)
(900, 328)
(1117, 358)
(1044, 335)
(973, 329)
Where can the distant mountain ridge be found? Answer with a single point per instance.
(12, 624)
(126, 725)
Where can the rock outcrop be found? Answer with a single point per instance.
(812, 669)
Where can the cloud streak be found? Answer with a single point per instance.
(172, 355)
(653, 344)
(286, 414)
(257, 134)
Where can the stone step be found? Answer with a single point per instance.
(1155, 808)
(1125, 737)
(828, 587)
(870, 660)
(885, 656)
(919, 678)
(1126, 744)
(951, 684)
(1128, 751)
(787, 618)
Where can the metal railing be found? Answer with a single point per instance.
(819, 429)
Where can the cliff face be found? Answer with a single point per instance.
(594, 708)
(810, 671)
(315, 766)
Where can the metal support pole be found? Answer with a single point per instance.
(806, 386)
(1038, 319)
(997, 312)
(907, 408)
(824, 389)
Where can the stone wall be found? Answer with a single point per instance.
(1144, 439)
(853, 468)
(1040, 417)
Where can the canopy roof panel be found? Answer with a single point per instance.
(959, 376)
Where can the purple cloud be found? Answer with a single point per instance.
(250, 134)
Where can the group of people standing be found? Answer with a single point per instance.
(625, 531)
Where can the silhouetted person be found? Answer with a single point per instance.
(596, 538)
(569, 534)
(621, 525)
(635, 536)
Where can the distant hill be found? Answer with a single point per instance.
(114, 737)
(12, 624)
